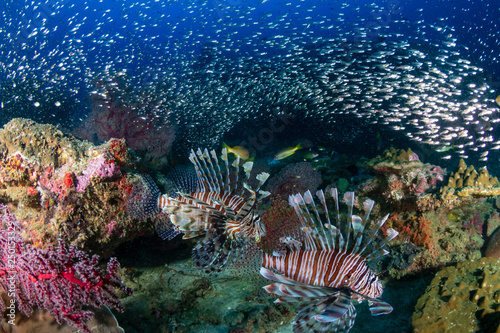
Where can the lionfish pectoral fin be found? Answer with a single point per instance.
(142, 203)
(335, 310)
(192, 234)
(164, 228)
(211, 253)
(230, 213)
(320, 315)
(270, 275)
(296, 290)
(378, 307)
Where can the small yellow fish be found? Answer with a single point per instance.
(310, 155)
(240, 151)
(287, 152)
(498, 100)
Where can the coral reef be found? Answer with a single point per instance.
(493, 246)
(466, 181)
(394, 160)
(294, 178)
(461, 298)
(400, 177)
(281, 221)
(443, 236)
(61, 187)
(60, 279)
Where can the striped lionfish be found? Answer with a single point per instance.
(327, 269)
(222, 208)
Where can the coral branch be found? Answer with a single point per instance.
(59, 279)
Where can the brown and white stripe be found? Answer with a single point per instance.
(324, 268)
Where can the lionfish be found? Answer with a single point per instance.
(222, 208)
(327, 268)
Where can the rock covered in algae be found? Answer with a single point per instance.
(178, 298)
(466, 181)
(41, 321)
(493, 246)
(461, 298)
(400, 176)
(61, 187)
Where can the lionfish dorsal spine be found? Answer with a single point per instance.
(333, 234)
(313, 238)
(236, 175)
(349, 200)
(224, 157)
(379, 249)
(247, 168)
(205, 170)
(353, 236)
(323, 239)
(262, 177)
(335, 195)
(211, 169)
(219, 171)
(198, 168)
(334, 229)
(212, 181)
(368, 206)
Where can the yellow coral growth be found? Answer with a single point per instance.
(466, 181)
(395, 159)
(461, 298)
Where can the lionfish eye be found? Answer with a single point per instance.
(373, 279)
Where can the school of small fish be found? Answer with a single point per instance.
(210, 65)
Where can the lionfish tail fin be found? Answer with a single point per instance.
(142, 202)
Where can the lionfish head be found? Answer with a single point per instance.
(368, 285)
(260, 230)
(256, 228)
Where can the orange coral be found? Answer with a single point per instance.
(418, 230)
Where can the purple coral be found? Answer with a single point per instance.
(113, 117)
(97, 167)
(59, 279)
(427, 178)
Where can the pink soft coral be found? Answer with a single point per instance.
(114, 117)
